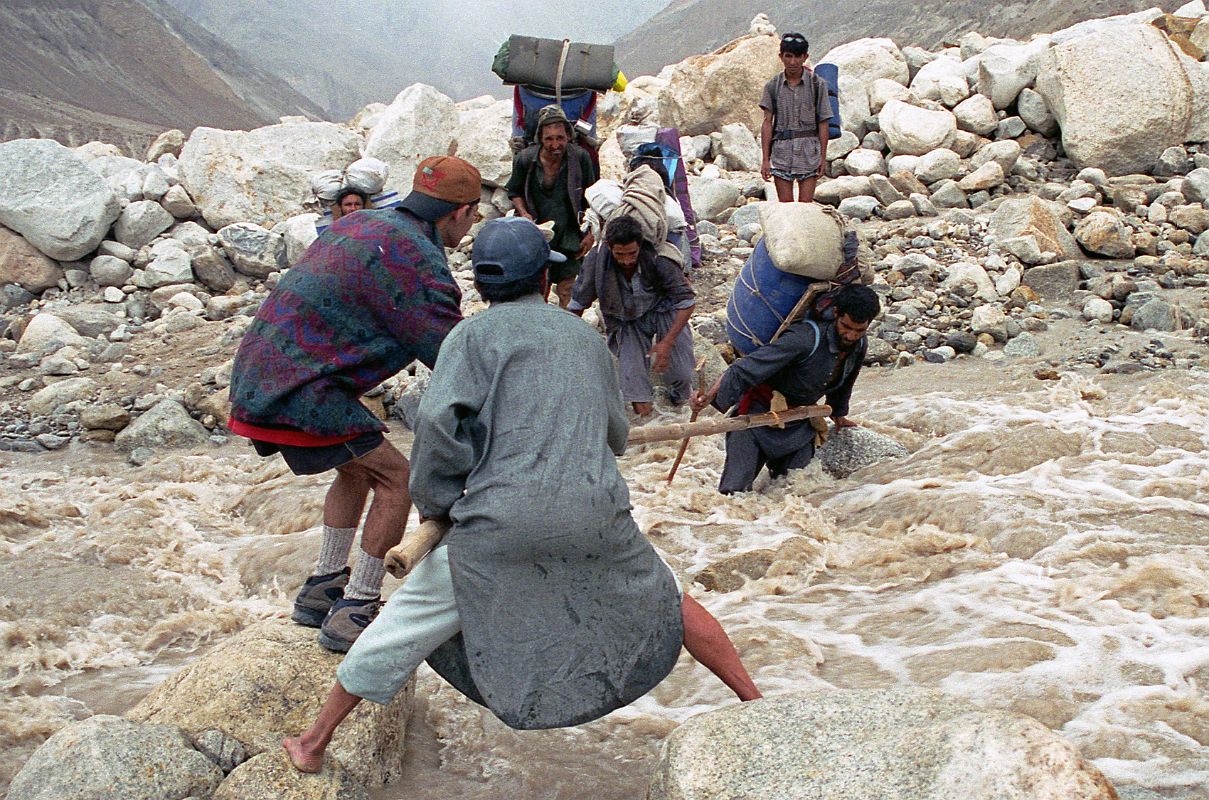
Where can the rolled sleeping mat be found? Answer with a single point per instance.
(830, 73)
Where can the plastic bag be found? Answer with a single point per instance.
(366, 175)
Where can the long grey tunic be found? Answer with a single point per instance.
(567, 611)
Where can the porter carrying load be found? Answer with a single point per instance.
(560, 72)
(807, 253)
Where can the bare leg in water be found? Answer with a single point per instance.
(704, 639)
(708, 643)
(306, 750)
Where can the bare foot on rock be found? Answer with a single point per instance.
(303, 759)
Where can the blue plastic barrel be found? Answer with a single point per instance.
(760, 301)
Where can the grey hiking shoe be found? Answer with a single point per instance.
(345, 622)
(317, 596)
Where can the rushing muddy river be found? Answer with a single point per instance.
(1044, 549)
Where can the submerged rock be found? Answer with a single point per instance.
(850, 449)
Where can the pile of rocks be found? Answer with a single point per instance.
(214, 730)
(996, 188)
(999, 186)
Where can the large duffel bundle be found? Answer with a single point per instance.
(804, 238)
(805, 245)
(536, 62)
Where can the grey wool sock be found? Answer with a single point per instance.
(333, 553)
(366, 581)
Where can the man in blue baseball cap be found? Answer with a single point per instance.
(549, 613)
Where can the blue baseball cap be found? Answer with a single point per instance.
(510, 249)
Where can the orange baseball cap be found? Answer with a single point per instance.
(440, 185)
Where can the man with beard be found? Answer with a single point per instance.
(547, 185)
(810, 360)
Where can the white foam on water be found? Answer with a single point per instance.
(1042, 550)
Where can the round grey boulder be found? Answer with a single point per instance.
(850, 449)
(106, 756)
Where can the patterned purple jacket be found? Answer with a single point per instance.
(373, 293)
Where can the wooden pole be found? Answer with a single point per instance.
(680, 430)
(700, 370)
(403, 557)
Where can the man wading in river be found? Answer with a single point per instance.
(810, 360)
(372, 294)
(549, 613)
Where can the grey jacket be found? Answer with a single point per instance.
(567, 611)
(600, 280)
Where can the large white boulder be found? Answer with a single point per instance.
(854, 104)
(263, 175)
(47, 332)
(883, 90)
(140, 222)
(911, 130)
(1005, 69)
(1198, 77)
(870, 743)
(419, 123)
(711, 196)
(706, 92)
(866, 60)
(482, 136)
(976, 114)
(1121, 97)
(740, 147)
(865, 162)
(1105, 24)
(938, 165)
(53, 199)
(943, 80)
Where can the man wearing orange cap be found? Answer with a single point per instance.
(372, 294)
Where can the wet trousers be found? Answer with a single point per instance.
(747, 452)
(631, 342)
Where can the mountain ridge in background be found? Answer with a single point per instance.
(345, 54)
(123, 71)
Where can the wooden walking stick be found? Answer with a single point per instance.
(700, 370)
(679, 430)
(417, 543)
(402, 558)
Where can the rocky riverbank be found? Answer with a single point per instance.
(1037, 203)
